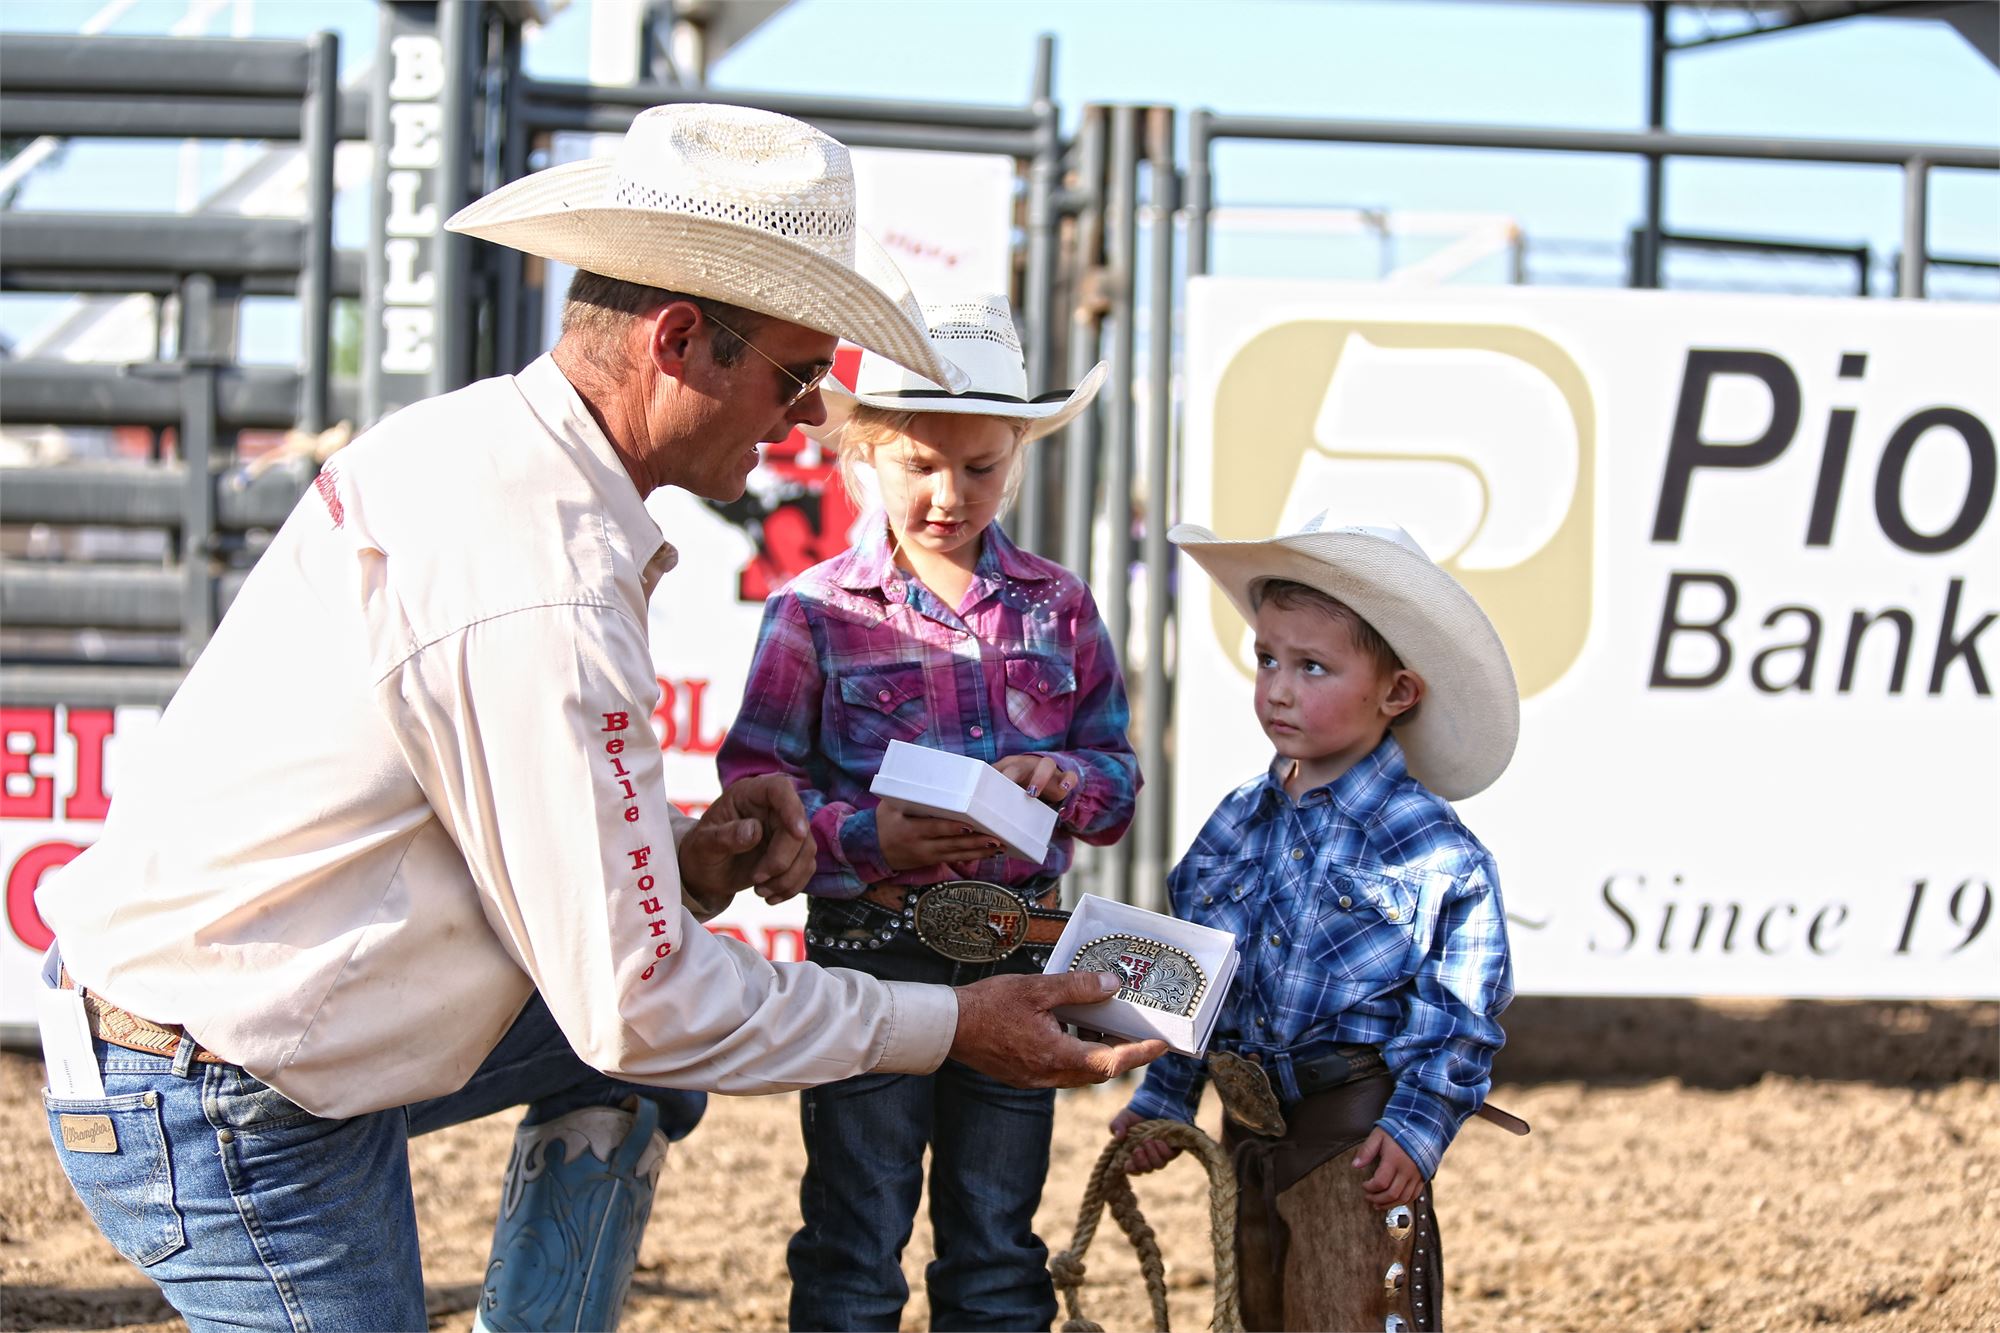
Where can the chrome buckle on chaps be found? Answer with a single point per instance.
(1157, 975)
(971, 921)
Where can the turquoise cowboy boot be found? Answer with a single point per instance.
(577, 1195)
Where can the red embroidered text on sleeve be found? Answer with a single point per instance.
(650, 901)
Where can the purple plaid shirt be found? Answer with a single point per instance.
(855, 653)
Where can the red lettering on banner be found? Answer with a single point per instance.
(794, 937)
(617, 722)
(657, 926)
(22, 881)
(631, 814)
(645, 883)
(641, 857)
(39, 726)
(614, 747)
(650, 906)
(780, 944)
(89, 728)
(678, 716)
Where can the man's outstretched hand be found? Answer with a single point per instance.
(1005, 1030)
(755, 833)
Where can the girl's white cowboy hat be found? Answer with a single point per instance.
(977, 334)
(725, 202)
(1464, 731)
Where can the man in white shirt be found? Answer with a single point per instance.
(399, 853)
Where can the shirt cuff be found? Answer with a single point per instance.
(1422, 1124)
(923, 1021)
(861, 845)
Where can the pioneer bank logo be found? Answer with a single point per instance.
(1481, 439)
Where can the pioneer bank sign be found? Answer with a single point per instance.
(1744, 556)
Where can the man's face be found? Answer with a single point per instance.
(1321, 700)
(705, 428)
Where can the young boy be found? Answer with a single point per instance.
(1374, 942)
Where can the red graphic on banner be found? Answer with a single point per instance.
(795, 509)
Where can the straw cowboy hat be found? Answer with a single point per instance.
(725, 202)
(1464, 732)
(977, 334)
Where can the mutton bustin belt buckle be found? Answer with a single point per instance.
(1156, 975)
(971, 921)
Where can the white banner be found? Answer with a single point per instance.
(946, 218)
(1743, 554)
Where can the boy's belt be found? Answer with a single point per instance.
(122, 1027)
(972, 921)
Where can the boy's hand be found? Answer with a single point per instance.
(1148, 1156)
(910, 841)
(1396, 1179)
(1040, 776)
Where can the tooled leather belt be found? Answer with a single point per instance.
(122, 1027)
(972, 921)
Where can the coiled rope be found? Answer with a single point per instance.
(1110, 1182)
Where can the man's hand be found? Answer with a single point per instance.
(1005, 1030)
(1148, 1156)
(1040, 776)
(1396, 1179)
(755, 833)
(910, 842)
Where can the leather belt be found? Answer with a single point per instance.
(972, 921)
(1335, 1066)
(122, 1027)
(1344, 1064)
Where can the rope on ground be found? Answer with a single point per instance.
(1110, 1183)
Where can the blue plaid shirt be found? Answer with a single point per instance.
(1365, 913)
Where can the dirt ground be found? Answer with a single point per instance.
(1735, 1165)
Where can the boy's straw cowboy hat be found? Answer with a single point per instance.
(977, 334)
(725, 202)
(1464, 731)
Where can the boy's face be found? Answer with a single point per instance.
(1323, 702)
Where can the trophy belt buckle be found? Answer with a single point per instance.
(1157, 975)
(972, 921)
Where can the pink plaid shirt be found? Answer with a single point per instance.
(855, 653)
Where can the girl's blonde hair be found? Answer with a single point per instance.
(872, 427)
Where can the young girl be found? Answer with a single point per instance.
(934, 628)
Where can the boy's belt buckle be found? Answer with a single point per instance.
(1247, 1095)
(971, 921)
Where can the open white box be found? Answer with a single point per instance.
(1214, 951)
(957, 786)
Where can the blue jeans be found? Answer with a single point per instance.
(865, 1139)
(252, 1213)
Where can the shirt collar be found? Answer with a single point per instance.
(870, 567)
(1359, 792)
(553, 399)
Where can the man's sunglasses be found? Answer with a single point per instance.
(806, 385)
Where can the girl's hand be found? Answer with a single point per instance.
(1148, 1156)
(911, 841)
(1396, 1179)
(1040, 775)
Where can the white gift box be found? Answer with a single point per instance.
(957, 786)
(1214, 952)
